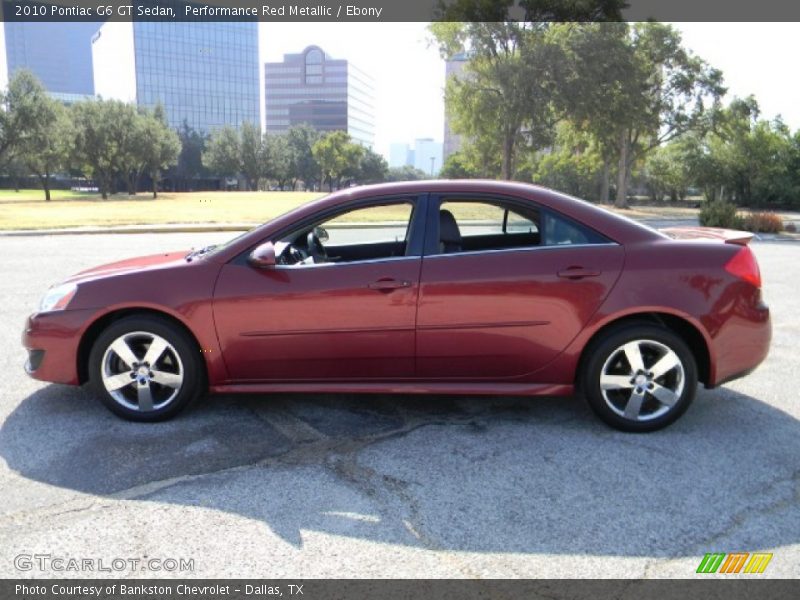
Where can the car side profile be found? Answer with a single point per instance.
(446, 287)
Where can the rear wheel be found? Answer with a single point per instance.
(146, 369)
(639, 377)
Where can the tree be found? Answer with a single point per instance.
(223, 155)
(49, 143)
(161, 146)
(22, 107)
(302, 164)
(251, 152)
(372, 167)
(405, 173)
(276, 159)
(458, 166)
(104, 130)
(505, 99)
(190, 160)
(677, 89)
(337, 157)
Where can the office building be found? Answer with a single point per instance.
(59, 54)
(454, 67)
(326, 93)
(205, 73)
(400, 155)
(428, 156)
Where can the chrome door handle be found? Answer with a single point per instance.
(577, 273)
(387, 285)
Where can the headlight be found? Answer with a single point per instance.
(58, 297)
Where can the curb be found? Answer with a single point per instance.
(188, 228)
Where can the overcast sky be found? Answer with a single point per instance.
(756, 58)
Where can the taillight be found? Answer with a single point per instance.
(744, 266)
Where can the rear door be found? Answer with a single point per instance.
(512, 295)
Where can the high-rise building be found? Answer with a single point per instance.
(400, 155)
(326, 93)
(428, 156)
(205, 73)
(454, 66)
(59, 54)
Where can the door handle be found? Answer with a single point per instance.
(577, 273)
(387, 285)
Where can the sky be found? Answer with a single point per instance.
(755, 58)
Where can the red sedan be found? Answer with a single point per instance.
(452, 287)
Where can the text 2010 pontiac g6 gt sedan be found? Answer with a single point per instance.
(456, 287)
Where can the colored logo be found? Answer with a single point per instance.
(735, 562)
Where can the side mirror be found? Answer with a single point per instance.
(263, 256)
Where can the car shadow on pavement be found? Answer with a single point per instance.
(477, 474)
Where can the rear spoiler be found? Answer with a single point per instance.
(729, 236)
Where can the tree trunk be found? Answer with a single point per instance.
(508, 156)
(605, 182)
(622, 176)
(154, 178)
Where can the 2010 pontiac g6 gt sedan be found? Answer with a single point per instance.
(446, 287)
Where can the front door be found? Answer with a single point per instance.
(341, 303)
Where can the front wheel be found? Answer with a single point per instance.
(146, 369)
(639, 378)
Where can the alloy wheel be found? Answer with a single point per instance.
(642, 380)
(142, 371)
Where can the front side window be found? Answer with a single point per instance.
(367, 233)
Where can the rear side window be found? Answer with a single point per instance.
(561, 231)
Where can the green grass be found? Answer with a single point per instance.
(26, 211)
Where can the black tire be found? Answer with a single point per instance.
(180, 359)
(607, 353)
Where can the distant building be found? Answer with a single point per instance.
(400, 155)
(454, 66)
(203, 72)
(326, 93)
(59, 54)
(428, 156)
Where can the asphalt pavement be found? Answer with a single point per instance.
(388, 486)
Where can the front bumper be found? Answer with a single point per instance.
(53, 341)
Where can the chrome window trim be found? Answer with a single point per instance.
(520, 249)
(341, 264)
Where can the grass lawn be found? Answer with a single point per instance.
(28, 210)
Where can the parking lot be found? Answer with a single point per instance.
(382, 486)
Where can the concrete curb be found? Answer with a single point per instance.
(176, 228)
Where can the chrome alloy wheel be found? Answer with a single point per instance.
(142, 371)
(642, 380)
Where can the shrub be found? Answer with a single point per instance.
(763, 222)
(791, 228)
(719, 213)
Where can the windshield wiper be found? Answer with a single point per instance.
(197, 253)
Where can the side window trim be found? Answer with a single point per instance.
(434, 202)
(416, 228)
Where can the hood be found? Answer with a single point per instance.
(139, 263)
(729, 236)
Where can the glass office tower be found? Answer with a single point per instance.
(205, 73)
(326, 93)
(59, 54)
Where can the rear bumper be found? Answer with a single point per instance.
(52, 341)
(742, 343)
